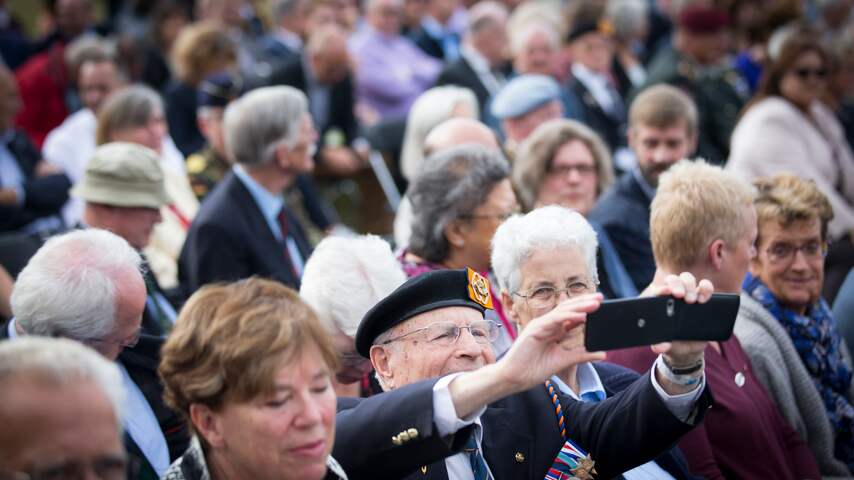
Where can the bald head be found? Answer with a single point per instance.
(458, 131)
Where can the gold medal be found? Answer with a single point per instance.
(585, 469)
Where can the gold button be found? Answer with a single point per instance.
(413, 433)
(520, 457)
(404, 437)
(396, 440)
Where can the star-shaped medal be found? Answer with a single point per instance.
(585, 469)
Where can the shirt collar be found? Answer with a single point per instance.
(586, 75)
(289, 38)
(647, 189)
(13, 333)
(269, 204)
(476, 60)
(586, 377)
(433, 27)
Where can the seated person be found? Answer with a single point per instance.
(788, 330)
(522, 105)
(343, 279)
(86, 286)
(434, 325)
(702, 222)
(61, 411)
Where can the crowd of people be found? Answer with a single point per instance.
(311, 239)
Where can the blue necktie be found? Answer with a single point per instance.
(478, 464)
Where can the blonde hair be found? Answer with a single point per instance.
(537, 152)
(786, 198)
(663, 106)
(695, 204)
(201, 49)
(230, 340)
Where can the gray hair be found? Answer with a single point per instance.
(519, 38)
(346, 277)
(544, 228)
(451, 184)
(129, 107)
(258, 122)
(627, 17)
(430, 109)
(486, 14)
(89, 48)
(68, 288)
(283, 8)
(64, 362)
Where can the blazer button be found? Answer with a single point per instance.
(404, 437)
(396, 440)
(520, 457)
(413, 433)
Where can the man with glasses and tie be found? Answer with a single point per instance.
(434, 326)
(87, 286)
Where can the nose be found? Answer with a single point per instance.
(310, 414)
(799, 262)
(467, 345)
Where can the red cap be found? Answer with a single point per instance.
(703, 19)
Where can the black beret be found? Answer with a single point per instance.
(426, 292)
(218, 89)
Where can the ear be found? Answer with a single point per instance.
(282, 156)
(380, 359)
(206, 422)
(692, 143)
(455, 232)
(716, 253)
(509, 306)
(202, 125)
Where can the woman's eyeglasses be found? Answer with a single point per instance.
(546, 297)
(806, 73)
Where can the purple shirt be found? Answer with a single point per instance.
(743, 435)
(391, 72)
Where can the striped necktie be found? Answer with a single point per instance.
(478, 464)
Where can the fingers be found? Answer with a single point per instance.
(663, 347)
(689, 283)
(705, 290)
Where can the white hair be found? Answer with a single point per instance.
(64, 362)
(486, 13)
(628, 17)
(68, 288)
(430, 109)
(346, 277)
(258, 122)
(519, 38)
(544, 228)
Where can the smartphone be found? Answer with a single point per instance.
(635, 322)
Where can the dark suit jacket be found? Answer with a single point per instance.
(460, 73)
(230, 240)
(341, 98)
(364, 427)
(181, 104)
(612, 128)
(44, 195)
(427, 43)
(615, 379)
(623, 211)
(141, 363)
(626, 430)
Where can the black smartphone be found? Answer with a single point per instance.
(635, 322)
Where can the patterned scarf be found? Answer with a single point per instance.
(817, 342)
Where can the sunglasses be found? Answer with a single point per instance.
(805, 73)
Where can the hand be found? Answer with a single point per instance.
(341, 160)
(550, 343)
(8, 197)
(685, 287)
(44, 169)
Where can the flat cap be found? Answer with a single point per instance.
(123, 175)
(430, 291)
(703, 19)
(219, 89)
(524, 94)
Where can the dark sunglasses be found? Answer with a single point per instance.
(805, 73)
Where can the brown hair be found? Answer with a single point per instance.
(663, 106)
(230, 340)
(129, 107)
(696, 203)
(786, 198)
(201, 49)
(537, 153)
(798, 43)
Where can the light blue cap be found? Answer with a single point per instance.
(523, 94)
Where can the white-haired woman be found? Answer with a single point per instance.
(343, 279)
(546, 257)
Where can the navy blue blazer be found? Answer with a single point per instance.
(230, 240)
(623, 211)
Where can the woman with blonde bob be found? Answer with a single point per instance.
(566, 163)
(249, 365)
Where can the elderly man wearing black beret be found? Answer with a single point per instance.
(434, 325)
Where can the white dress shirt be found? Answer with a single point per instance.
(142, 425)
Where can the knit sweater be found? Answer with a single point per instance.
(777, 365)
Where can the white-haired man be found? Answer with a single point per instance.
(540, 257)
(244, 227)
(87, 286)
(60, 407)
(343, 279)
